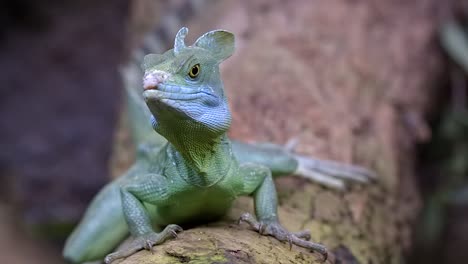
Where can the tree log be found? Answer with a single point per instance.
(352, 79)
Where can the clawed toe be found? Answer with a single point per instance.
(303, 234)
(274, 229)
(312, 246)
(249, 219)
(146, 241)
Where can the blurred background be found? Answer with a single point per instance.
(61, 98)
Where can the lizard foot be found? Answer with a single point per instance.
(327, 172)
(275, 229)
(331, 173)
(146, 241)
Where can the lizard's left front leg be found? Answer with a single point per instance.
(259, 182)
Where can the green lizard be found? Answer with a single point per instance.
(195, 173)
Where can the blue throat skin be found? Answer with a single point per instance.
(187, 170)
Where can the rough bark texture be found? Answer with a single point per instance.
(353, 79)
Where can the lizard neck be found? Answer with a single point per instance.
(202, 163)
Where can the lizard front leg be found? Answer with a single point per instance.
(259, 182)
(151, 188)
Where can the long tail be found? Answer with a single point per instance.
(102, 228)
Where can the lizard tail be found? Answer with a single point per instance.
(102, 228)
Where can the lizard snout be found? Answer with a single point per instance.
(153, 78)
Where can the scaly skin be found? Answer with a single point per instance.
(196, 174)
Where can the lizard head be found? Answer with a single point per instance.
(182, 87)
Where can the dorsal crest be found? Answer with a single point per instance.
(220, 43)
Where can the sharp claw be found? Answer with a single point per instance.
(322, 250)
(291, 145)
(149, 246)
(303, 235)
(174, 233)
(108, 259)
(246, 217)
(276, 230)
(325, 256)
(279, 232)
(261, 228)
(241, 219)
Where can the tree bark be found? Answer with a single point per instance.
(352, 79)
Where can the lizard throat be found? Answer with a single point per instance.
(203, 166)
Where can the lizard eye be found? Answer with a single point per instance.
(194, 71)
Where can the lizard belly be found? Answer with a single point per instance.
(200, 205)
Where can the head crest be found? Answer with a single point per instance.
(179, 42)
(219, 43)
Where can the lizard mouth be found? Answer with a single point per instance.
(180, 101)
(153, 79)
(164, 91)
(162, 95)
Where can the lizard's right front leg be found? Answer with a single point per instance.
(151, 188)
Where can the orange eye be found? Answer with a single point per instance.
(194, 71)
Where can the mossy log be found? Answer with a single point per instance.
(352, 79)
